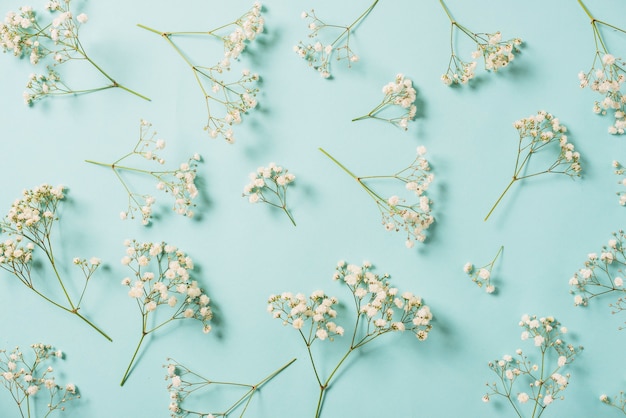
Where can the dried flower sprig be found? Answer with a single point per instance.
(398, 93)
(618, 401)
(496, 53)
(535, 133)
(533, 384)
(162, 278)
(23, 34)
(606, 77)
(29, 224)
(318, 53)
(226, 100)
(29, 379)
(619, 170)
(182, 382)
(397, 214)
(379, 309)
(482, 275)
(602, 274)
(178, 183)
(269, 185)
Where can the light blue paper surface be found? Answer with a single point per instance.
(245, 252)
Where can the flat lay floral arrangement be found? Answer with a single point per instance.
(175, 209)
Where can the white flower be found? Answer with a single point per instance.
(322, 334)
(82, 18)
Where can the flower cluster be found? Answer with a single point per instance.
(398, 93)
(235, 96)
(539, 383)
(56, 41)
(619, 170)
(162, 279)
(29, 380)
(29, 225)
(382, 307)
(482, 275)
(398, 214)
(495, 52)
(319, 53)
(606, 77)
(379, 308)
(537, 132)
(178, 183)
(314, 316)
(269, 185)
(607, 81)
(602, 274)
(182, 382)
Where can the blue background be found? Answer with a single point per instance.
(244, 253)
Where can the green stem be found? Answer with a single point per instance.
(497, 255)
(500, 198)
(56, 272)
(130, 365)
(121, 167)
(317, 376)
(115, 83)
(248, 395)
(327, 383)
(356, 21)
(587, 11)
(445, 9)
(92, 325)
(339, 164)
(72, 311)
(372, 193)
(152, 30)
(284, 208)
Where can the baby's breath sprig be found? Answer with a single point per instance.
(482, 275)
(226, 100)
(319, 54)
(532, 385)
(397, 214)
(606, 77)
(496, 53)
(535, 133)
(162, 278)
(57, 41)
(269, 185)
(619, 170)
(398, 93)
(379, 308)
(29, 224)
(182, 382)
(602, 274)
(178, 183)
(30, 380)
(618, 401)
